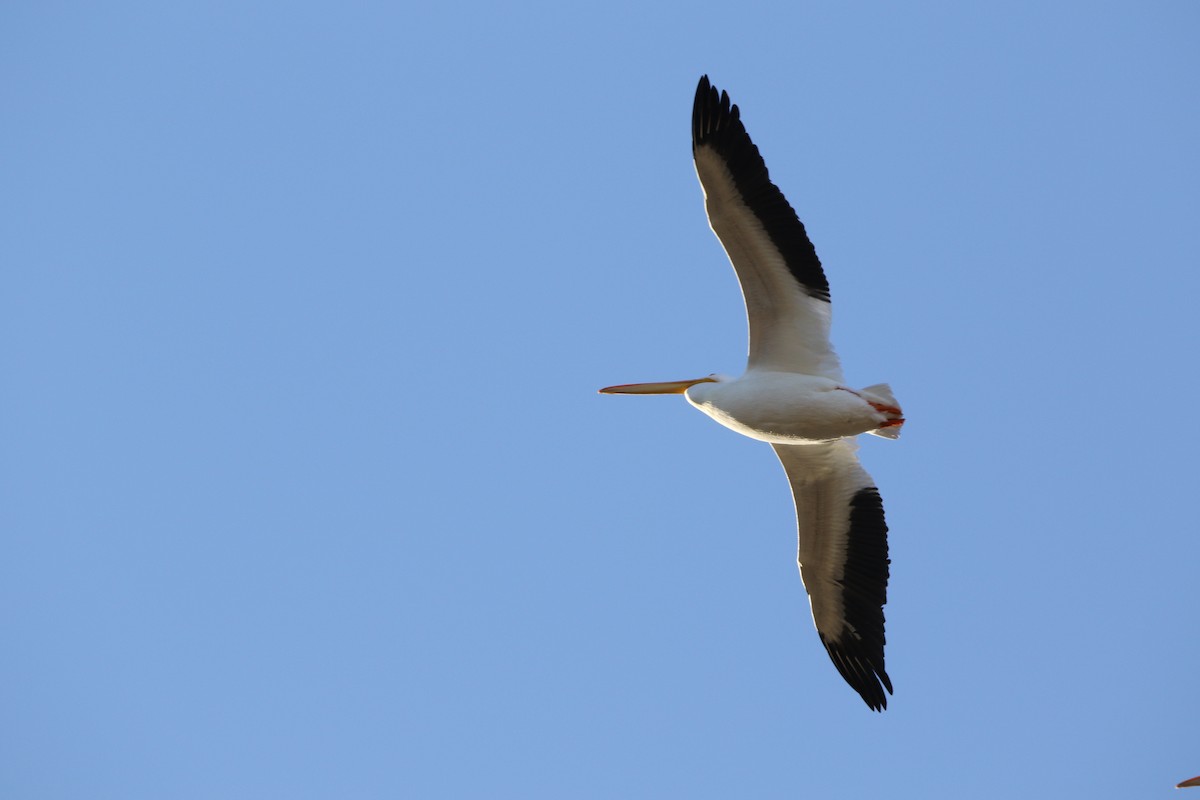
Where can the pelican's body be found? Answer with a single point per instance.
(787, 407)
(793, 395)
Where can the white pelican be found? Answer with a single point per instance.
(793, 395)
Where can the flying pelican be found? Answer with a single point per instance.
(793, 395)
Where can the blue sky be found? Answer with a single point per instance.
(307, 491)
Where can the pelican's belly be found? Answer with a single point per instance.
(785, 408)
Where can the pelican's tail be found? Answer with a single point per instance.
(880, 396)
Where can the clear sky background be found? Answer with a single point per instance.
(308, 492)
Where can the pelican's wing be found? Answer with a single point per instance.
(843, 558)
(786, 293)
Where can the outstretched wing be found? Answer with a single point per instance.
(785, 289)
(843, 557)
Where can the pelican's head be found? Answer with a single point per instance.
(668, 387)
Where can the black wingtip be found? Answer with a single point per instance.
(713, 114)
(865, 674)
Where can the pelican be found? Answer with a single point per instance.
(793, 395)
